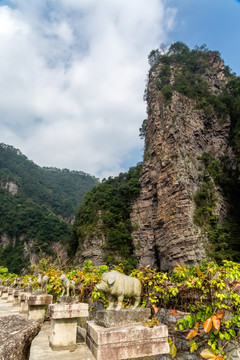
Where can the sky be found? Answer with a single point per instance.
(73, 73)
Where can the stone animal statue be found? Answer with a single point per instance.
(15, 282)
(119, 286)
(68, 286)
(1, 281)
(43, 281)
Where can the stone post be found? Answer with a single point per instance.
(23, 303)
(16, 301)
(4, 293)
(64, 324)
(37, 306)
(10, 294)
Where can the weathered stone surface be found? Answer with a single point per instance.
(67, 299)
(68, 311)
(111, 318)
(177, 134)
(39, 299)
(10, 186)
(126, 342)
(16, 335)
(63, 334)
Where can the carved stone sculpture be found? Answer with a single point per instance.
(43, 281)
(15, 282)
(119, 286)
(68, 286)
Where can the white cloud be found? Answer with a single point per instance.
(72, 76)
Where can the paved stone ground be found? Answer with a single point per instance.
(40, 349)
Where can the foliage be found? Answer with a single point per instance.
(189, 80)
(105, 213)
(45, 195)
(23, 217)
(224, 236)
(210, 293)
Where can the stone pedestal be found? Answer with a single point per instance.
(10, 294)
(4, 293)
(16, 301)
(23, 303)
(37, 306)
(64, 324)
(126, 342)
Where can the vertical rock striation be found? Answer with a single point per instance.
(177, 134)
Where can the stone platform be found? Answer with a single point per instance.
(126, 342)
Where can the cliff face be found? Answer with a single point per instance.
(177, 134)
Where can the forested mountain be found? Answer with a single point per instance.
(36, 206)
(61, 191)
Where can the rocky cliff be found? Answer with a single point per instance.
(178, 134)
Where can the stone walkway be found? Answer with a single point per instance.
(40, 349)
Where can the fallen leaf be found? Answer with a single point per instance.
(207, 325)
(192, 334)
(220, 315)
(216, 322)
(155, 308)
(208, 354)
(174, 312)
(199, 273)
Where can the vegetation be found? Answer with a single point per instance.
(61, 191)
(190, 78)
(21, 217)
(32, 217)
(205, 299)
(224, 236)
(105, 213)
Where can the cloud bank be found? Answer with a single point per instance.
(72, 77)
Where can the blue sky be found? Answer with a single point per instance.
(73, 73)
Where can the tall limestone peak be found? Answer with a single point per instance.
(186, 121)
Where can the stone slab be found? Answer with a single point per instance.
(111, 318)
(39, 299)
(68, 311)
(16, 293)
(16, 335)
(126, 342)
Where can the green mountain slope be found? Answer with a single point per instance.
(61, 191)
(33, 203)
